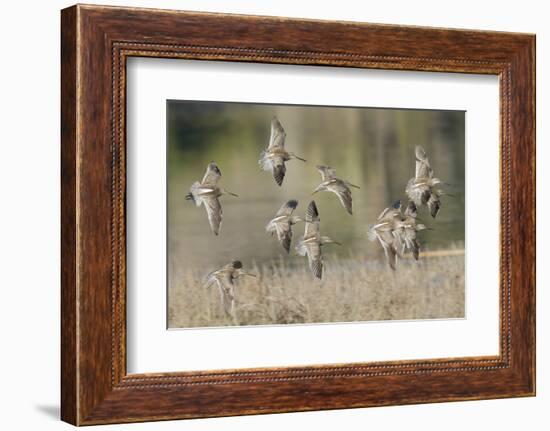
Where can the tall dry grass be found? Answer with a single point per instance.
(353, 289)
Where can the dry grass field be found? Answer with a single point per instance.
(353, 289)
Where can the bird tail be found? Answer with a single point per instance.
(264, 162)
(301, 248)
(371, 233)
(194, 197)
(270, 228)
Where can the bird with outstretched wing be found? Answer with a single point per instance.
(340, 188)
(274, 157)
(282, 223)
(310, 244)
(207, 193)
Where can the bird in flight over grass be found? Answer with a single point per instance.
(282, 223)
(207, 193)
(311, 242)
(396, 232)
(225, 278)
(335, 185)
(406, 231)
(274, 157)
(383, 231)
(423, 188)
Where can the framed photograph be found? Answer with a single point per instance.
(267, 215)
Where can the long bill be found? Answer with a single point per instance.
(230, 193)
(299, 158)
(315, 191)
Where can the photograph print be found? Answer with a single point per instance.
(292, 214)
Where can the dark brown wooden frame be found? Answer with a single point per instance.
(95, 43)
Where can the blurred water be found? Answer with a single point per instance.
(373, 148)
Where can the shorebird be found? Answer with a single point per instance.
(335, 185)
(422, 189)
(207, 193)
(383, 231)
(311, 242)
(224, 279)
(396, 232)
(274, 157)
(406, 231)
(282, 223)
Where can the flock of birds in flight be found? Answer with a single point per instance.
(395, 229)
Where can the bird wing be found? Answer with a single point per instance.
(415, 249)
(284, 234)
(409, 231)
(420, 153)
(315, 259)
(399, 240)
(423, 168)
(278, 135)
(386, 240)
(278, 168)
(433, 204)
(287, 208)
(312, 228)
(214, 212)
(388, 214)
(279, 172)
(312, 220)
(407, 237)
(225, 285)
(212, 175)
(411, 210)
(418, 193)
(327, 173)
(271, 227)
(383, 214)
(344, 194)
(210, 279)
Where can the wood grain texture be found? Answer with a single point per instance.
(96, 41)
(69, 397)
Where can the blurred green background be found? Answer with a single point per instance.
(373, 148)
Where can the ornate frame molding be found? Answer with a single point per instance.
(96, 41)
